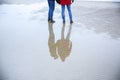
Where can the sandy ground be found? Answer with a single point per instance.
(33, 49)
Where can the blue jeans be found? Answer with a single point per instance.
(69, 12)
(51, 9)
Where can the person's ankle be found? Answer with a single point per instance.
(52, 21)
(49, 19)
(71, 21)
(64, 21)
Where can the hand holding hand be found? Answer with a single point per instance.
(72, 1)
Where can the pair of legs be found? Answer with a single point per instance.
(51, 4)
(69, 12)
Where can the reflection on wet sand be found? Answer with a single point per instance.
(51, 41)
(63, 46)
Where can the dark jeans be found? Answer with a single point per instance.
(51, 9)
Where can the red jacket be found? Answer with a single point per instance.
(65, 2)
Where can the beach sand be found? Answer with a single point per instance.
(33, 49)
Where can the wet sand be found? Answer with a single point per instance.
(33, 49)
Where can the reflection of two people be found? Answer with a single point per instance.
(62, 48)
